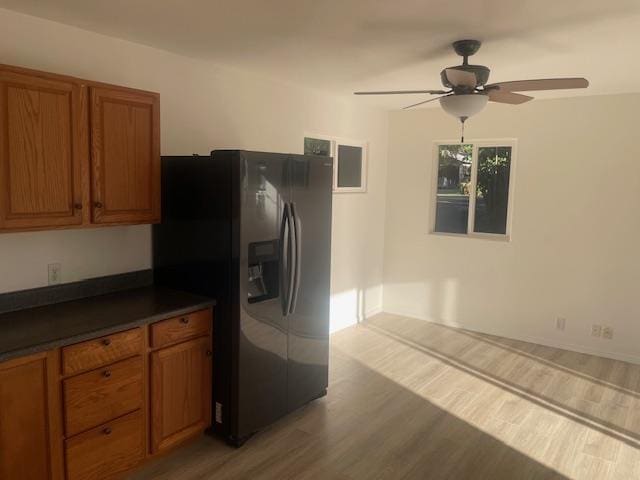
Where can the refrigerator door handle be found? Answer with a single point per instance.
(297, 228)
(292, 256)
(285, 259)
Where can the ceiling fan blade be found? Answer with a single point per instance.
(401, 92)
(541, 84)
(460, 78)
(511, 98)
(422, 103)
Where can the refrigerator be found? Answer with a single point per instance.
(253, 230)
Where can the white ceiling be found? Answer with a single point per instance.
(346, 45)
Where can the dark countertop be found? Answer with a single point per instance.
(43, 328)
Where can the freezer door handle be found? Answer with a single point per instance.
(297, 230)
(285, 259)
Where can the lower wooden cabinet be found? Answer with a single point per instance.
(106, 451)
(180, 392)
(30, 430)
(86, 412)
(96, 397)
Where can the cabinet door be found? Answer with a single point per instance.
(180, 392)
(42, 129)
(125, 156)
(30, 419)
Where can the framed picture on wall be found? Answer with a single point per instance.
(318, 146)
(349, 161)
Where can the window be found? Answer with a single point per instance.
(349, 161)
(474, 188)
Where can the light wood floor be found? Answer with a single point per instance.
(413, 400)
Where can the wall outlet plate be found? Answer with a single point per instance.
(607, 332)
(218, 412)
(560, 323)
(55, 272)
(596, 330)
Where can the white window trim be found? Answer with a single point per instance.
(499, 142)
(335, 142)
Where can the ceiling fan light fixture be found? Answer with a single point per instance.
(464, 106)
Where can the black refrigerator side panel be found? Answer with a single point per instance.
(192, 251)
(308, 342)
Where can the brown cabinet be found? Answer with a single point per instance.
(101, 407)
(101, 395)
(106, 451)
(101, 351)
(76, 153)
(125, 156)
(30, 433)
(180, 392)
(42, 135)
(179, 329)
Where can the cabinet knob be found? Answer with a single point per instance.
(106, 342)
(209, 353)
(98, 204)
(77, 206)
(106, 373)
(106, 431)
(184, 320)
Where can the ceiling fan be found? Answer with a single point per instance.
(467, 89)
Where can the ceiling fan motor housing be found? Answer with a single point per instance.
(480, 71)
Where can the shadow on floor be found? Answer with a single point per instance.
(578, 386)
(368, 427)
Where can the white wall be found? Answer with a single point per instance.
(203, 107)
(575, 238)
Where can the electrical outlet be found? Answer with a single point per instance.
(560, 323)
(218, 412)
(54, 273)
(596, 330)
(607, 333)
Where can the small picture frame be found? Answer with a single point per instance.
(350, 161)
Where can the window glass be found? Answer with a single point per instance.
(492, 189)
(349, 166)
(454, 182)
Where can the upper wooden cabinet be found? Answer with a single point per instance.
(43, 127)
(76, 153)
(125, 156)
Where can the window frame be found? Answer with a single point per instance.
(476, 144)
(335, 143)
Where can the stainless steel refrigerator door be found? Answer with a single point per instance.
(262, 347)
(308, 320)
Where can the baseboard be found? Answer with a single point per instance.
(374, 311)
(574, 347)
(338, 326)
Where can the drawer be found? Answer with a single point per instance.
(101, 351)
(98, 396)
(106, 451)
(181, 328)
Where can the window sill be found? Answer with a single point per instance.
(477, 236)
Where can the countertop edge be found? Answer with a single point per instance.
(66, 341)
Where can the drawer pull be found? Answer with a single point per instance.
(184, 320)
(106, 373)
(106, 431)
(106, 342)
